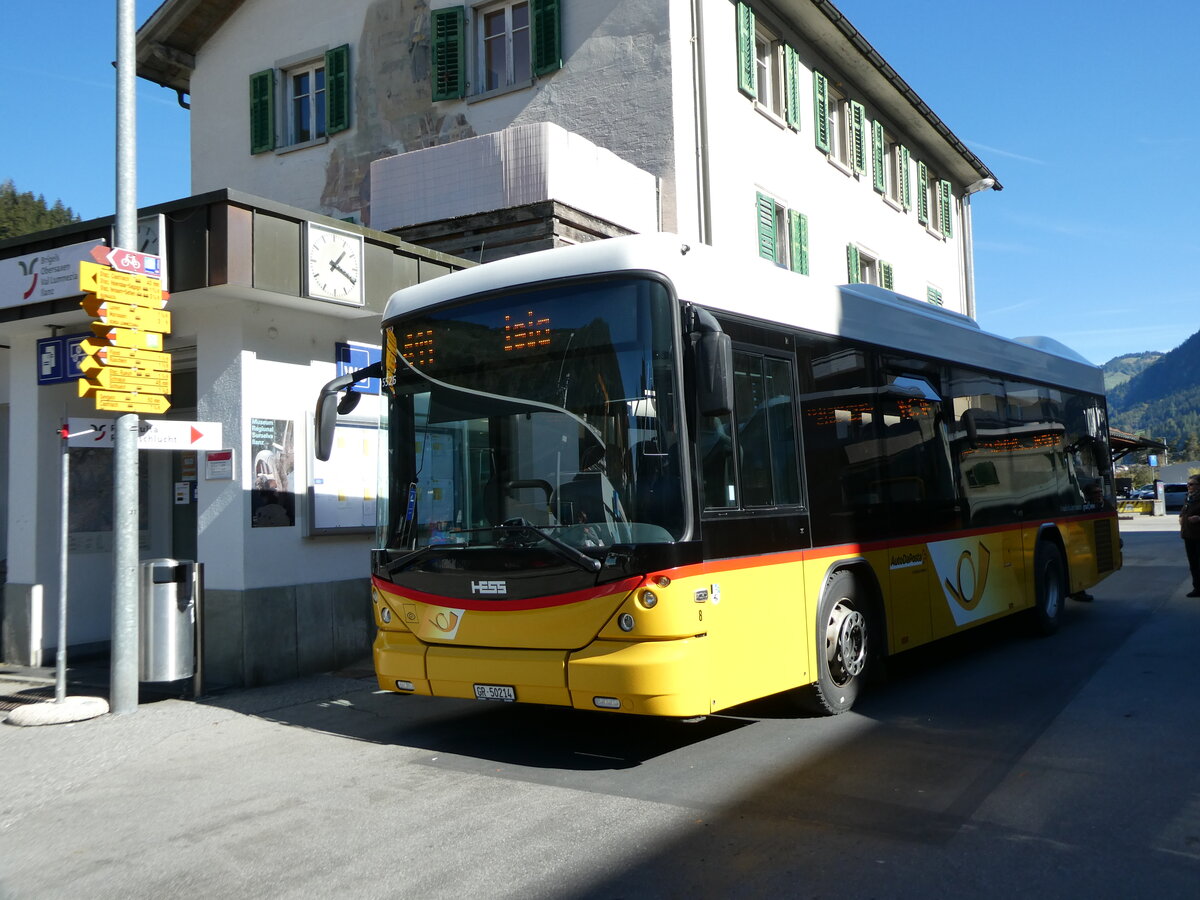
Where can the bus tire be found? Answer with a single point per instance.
(1050, 591)
(843, 646)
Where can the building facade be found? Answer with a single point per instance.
(257, 326)
(773, 128)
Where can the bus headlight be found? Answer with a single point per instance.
(649, 599)
(385, 614)
(625, 622)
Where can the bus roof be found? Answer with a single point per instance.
(755, 287)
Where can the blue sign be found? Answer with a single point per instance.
(351, 357)
(58, 358)
(1153, 460)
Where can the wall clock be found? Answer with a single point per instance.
(334, 264)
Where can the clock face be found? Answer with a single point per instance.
(334, 265)
(147, 237)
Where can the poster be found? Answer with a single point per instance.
(343, 492)
(272, 492)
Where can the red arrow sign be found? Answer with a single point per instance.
(130, 261)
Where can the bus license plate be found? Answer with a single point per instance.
(495, 692)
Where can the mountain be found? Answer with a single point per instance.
(1158, 395)
(1120, 369)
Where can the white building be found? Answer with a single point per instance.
(771, 127)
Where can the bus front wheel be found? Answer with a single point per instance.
(843, 647)
(1049, 573)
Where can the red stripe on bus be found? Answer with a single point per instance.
(857, 549)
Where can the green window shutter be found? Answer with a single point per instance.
(449, 53)
(853, 267)
(905, 181)
(798, 234)
(821, 111)
(745, 51)
(262, 111)
(791, 72)
(934, 296)
(922, 194)
(878, 155)
(337, 89)
(546, 25)
(888, 276)
(858, 128)
(766, 227)
(944, 198)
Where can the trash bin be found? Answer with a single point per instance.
(167, 619)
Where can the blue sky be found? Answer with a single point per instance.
(1085, 109)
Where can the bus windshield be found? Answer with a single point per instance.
(547, 416)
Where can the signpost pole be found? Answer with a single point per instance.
(60, 657)
(123, 673)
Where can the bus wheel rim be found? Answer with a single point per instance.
(846, 643)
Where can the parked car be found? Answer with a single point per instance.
(1175, 495)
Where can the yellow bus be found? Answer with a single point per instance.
(638, 475)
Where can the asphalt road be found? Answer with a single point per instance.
(993, 764)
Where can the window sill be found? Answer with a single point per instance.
(839, 165)
(291, 148)
(934, 233)
(770, 115)
(894, 204)
(500, 91)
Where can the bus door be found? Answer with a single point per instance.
(918, 492)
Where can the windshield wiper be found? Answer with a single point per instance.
(571, 554)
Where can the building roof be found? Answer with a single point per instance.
(168, 42)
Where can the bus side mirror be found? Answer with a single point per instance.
(329, 408)
(714, 373)
(326, 415)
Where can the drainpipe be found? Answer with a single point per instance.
(968, 242)
(700, 107)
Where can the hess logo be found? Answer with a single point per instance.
(491, 588)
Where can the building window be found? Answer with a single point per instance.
(839, 143)
(864, 267)
(306, 103)
(504, 44)
(512, 44)
(317, 95)
(768, 69)
(935, 202)
(768, 56)
(934, 296)
(782, 234)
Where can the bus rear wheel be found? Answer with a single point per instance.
(843, 647)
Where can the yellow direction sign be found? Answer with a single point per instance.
(111, 312)
(121, 286)
(117, 379)
(100, 353)
(132, 338)
(123, 401)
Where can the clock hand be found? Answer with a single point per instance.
(333, 263)
(342, 272)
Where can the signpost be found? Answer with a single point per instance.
(125, 368)
(153, 434)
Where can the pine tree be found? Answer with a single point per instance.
(22, 213)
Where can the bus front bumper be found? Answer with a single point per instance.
(659, 678)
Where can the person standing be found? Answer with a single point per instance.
(1189, 530)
